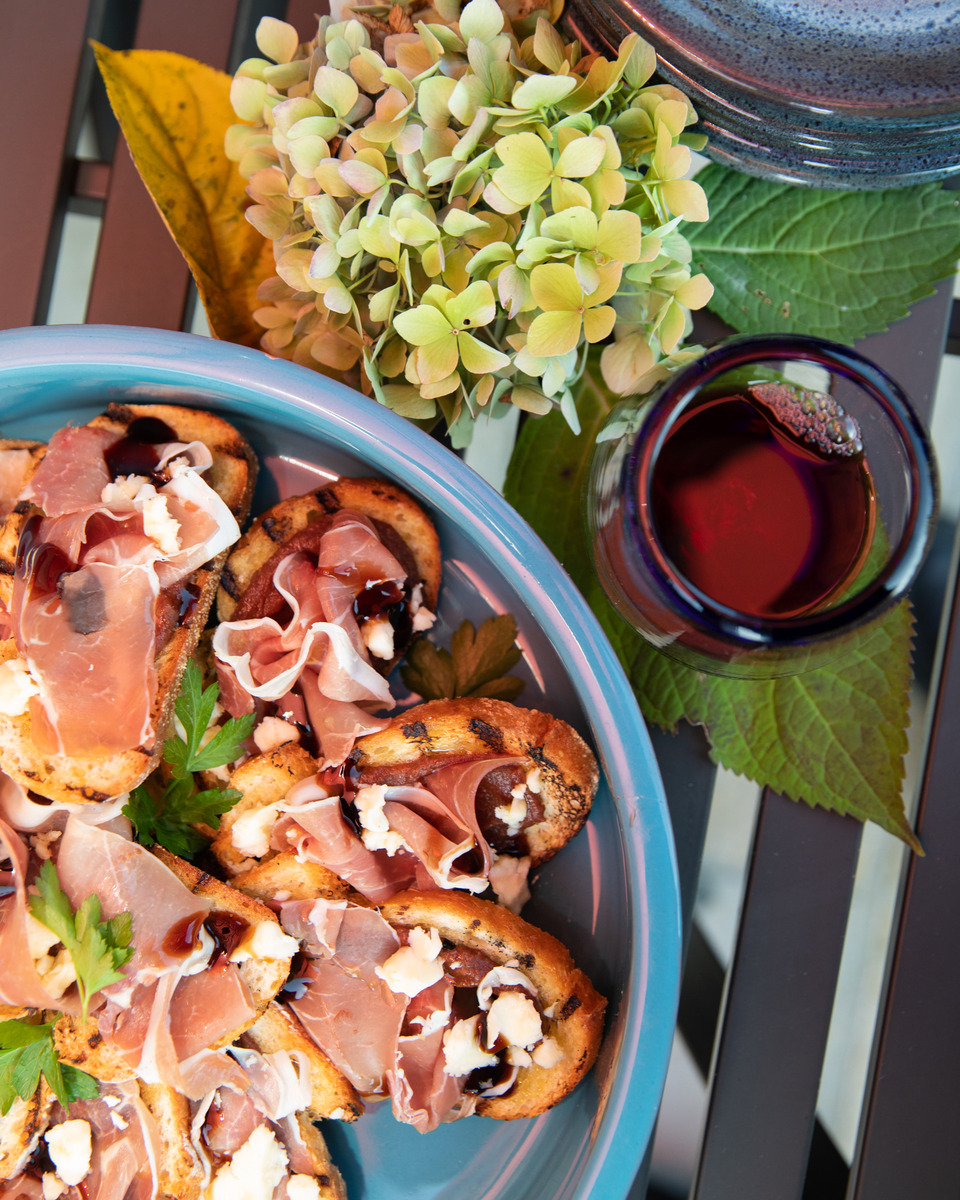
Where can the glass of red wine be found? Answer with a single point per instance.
(768, 499)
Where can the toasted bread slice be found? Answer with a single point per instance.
(395, 514)
(181, 1174)
(557, 759)
(262, 780)
(332, 1096)
(571, 1008)
(285, 877)
(84, 1047)
(78, 780)
(21, 1127)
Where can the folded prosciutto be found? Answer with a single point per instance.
(308, 633)
(425, 835)
(99, 568)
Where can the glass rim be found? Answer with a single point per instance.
(905, 557)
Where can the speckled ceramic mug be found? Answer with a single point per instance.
(829, 93)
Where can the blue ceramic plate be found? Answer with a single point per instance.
(611, 895)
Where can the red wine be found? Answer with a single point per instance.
(763, 501)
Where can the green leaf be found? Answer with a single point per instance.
(428, 671)
(421, 325)
(225, 746)
(834, 264)
(97, 948)
(29, 1052)
(475, 665)
(170, 817)
(480, 655)
(833, 737)
(541, 91)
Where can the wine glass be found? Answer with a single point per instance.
(768, 499)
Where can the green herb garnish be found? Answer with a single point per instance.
(475, 665)
(169, 818)
(97, 948)
(26, 1053)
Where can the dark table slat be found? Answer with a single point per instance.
(909, 1139)
(688, 778)
(779, 999)
(52, 33)
(140, 276)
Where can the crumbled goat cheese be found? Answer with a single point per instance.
(41, 843)
(375, 831)
(514, 1017)
(273, 732)
(415, 966)
(548, 1053)
(462, 1052)
(265, 940)
(514, 814)
(56, 971)
(70, 1146)
(378, 636)
(17, 685)
(303, 1187)
(253, 1172)
(251, 831)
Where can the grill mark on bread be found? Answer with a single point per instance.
(228, 581)
(327, 500)
(416, 732)
(569, 1008)
(274, 529)
(490, 735)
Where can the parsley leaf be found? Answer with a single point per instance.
(476, 664)
(26, 1053)
(169, 818)
(98, 948)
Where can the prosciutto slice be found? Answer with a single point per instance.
(437, 821)
(73, 472)
(317, 663)
(125, 1149)
(384, 1042)
(128, 878)
(318, 832)
(89, 575)
(348, 1011)
(106, 663)
(160, 1019)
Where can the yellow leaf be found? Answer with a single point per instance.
(174, 113)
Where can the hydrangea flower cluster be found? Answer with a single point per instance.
(461, 205)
